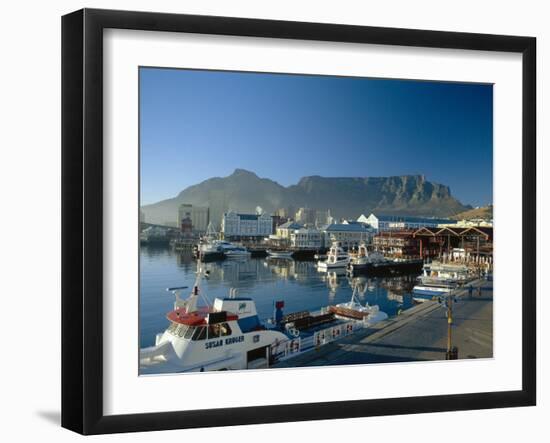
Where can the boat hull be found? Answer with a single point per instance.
(274, 254)
(323, 266)
(386, 268)
(427, 291)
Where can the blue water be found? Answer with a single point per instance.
(298, 283)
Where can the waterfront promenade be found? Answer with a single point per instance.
(420, 333)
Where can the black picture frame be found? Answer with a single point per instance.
(82, 215)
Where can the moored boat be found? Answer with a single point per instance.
(228, 333)
(375, 263)
(279, 254)
(439, 279)
(336, 258)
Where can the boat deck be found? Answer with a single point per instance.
(310, 332)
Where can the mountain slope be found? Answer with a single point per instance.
(484, 212)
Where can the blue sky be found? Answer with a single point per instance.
(200, 124)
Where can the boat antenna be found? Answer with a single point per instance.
(200, 274)
(176, 291)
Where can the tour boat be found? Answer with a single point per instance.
(439, 279)
(228, 333)
(336, 258)
(375, 263)
(364, 259)
(211, 248)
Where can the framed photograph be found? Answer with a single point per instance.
(268, 221)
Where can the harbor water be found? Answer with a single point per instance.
(266, 280)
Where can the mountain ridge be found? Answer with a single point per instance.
(348, 197)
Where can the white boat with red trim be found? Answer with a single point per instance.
(228, 333)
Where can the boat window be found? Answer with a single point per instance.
(182, 330)
(189, 332)
(200, 333)
(219, 330)
(225, 329)
(213, 331)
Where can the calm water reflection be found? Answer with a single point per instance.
(298, 283)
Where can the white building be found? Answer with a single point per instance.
(286, 229)
(306, 238)
(200, 216)
(237, 226)
(349, 234)
(474, 222)
(389, 222)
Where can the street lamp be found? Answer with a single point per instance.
(452, 351)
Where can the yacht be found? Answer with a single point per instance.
(230, 250)
(336, 258)
(375, 263)
(363, 259)
(439, 279)
(228, 334)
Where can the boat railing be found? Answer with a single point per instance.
(283, 349)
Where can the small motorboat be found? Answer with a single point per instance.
(279, 254)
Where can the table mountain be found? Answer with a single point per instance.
(344, 196)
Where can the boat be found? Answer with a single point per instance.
(336, 258)
(231, 250)
(209, 248)
(363, 259)
(354, 309)
(440, 279)
(279, 254)
(228, 334)
(155, 236)
(375, 263)
(212, 249)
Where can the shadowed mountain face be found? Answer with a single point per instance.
(346, 197)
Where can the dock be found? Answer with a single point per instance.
(417, 334)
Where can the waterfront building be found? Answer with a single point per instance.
(474, 222)
(199, 216)
(236, 226)
(283, 231)
(397, 243)
(350, 235)
(156, 234)
(401, 222)
(186, 227)
(475, 241)
(306, 216)
(304, 238)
